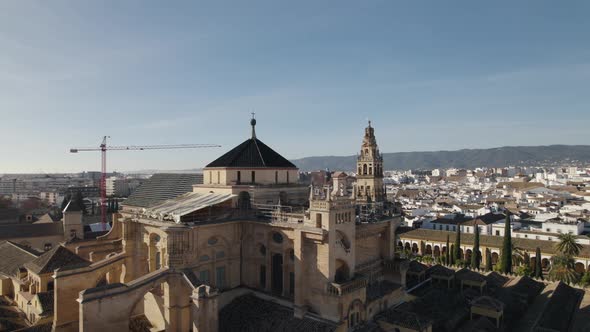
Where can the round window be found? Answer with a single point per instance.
(277, 237)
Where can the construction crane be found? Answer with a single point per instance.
(103, 148)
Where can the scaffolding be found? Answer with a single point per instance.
(369, 211)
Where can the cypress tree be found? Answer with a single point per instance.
(488, 260)
(457, 251)
(448, 253)
(79, 201)
(65, 202)
(538, 267)
(475, 256)
(506, 260)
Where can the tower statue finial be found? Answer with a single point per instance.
(253, 124)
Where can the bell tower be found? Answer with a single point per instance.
(369, 189)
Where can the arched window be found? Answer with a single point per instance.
(244, 200)
(370, 170)
(364, 169)
(158, 260)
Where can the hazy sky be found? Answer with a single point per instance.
(431, 75)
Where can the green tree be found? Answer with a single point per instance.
(448, 252)
(79, 201)
(567, 245)
(506, 260)
(538, 267)
(457, 251)
(488, 260)
(585, 281)
(476, 255)
(524, 270)
(67, 199)
(562, 269)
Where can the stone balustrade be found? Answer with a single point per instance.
(339, 289)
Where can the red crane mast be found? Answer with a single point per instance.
(103, 148)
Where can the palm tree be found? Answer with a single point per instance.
(519, 256)
(567, 245)
(562, 269)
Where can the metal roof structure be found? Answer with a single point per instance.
(174, 209)
(161, 187)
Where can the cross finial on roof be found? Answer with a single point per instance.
(253, 124)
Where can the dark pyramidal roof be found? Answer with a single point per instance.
(252, 153)
(161, 187)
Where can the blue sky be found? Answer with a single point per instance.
(431, 75)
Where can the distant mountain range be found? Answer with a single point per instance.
(466, 158)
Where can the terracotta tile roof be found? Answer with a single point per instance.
(495, 279)
(457, 219)
(407, 319)
(519, 185)
(486, 219)
(559, 311)
(379, 289)
(488, 303)
(252, 153)
(439, 270)
(526, 287)
(249, 313)
(56, 258)
(465, 274)
(13, 256)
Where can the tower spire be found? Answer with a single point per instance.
(253, 124)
